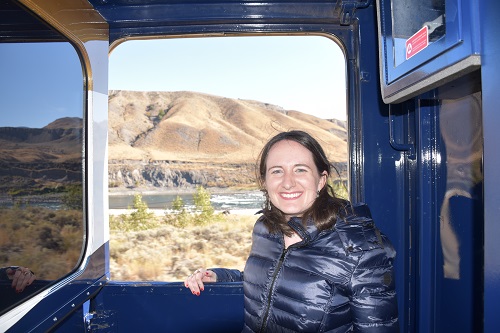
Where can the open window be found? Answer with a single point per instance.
(187, 120)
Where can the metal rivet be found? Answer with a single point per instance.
(55, 319)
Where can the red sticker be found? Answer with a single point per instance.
(417, 42)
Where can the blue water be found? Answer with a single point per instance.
(220, 201)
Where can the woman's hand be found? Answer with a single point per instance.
(195, 280)
(21, 277)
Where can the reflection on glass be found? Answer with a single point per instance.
(459, 251)
(460, 124)
(41, 202)
(416, 24)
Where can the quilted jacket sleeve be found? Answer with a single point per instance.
(373, 297)
(228, 275)
(371, 289)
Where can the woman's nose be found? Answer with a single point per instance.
(288, 181)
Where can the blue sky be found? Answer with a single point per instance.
(40, 81)
(304, 73)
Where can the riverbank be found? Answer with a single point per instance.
(117, 191)
(161, 212)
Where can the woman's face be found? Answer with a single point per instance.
(292, 179)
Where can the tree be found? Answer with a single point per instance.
(140, 218)
(180, 217)
(203, 206)
(203, 213)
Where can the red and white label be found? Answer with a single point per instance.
(417, 42)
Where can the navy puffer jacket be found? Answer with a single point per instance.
(336, 280)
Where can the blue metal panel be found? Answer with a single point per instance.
(64, 299)
(10, 298)
(138, 18)
(490, 71)
(167, 307)
(52, 311)
(381, 173)
(425, 219)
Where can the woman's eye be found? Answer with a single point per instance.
(300, 170)
(275, 171)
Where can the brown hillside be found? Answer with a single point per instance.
(58, 142)
(197, 127)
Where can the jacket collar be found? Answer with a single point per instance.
(307, 233)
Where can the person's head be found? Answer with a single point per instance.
(293, 172)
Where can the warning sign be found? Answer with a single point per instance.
(417, 42)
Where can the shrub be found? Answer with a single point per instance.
(180, 217)
(73, 198)
(203, 206)
(203, 214)
(339, 189)
(161, 114)
(139, 219)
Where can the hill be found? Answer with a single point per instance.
(197, 127)
(161, 140)
(58, 142)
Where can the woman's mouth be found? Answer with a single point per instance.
(290, 196)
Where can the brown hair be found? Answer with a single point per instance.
(325, 208)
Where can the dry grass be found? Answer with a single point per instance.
(47, 241)
(168, 253)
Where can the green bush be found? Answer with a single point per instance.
(339, 188)
(139, 219)
(73, 198)
(180, 216)
(161, 114)
(203, 213)
(203, 207)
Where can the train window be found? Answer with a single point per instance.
(41, 154)
(187, 120)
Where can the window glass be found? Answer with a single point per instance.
(41, 118)
(415, 25)
(187, 120)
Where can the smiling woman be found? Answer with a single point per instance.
(321, 250)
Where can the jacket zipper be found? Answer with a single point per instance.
(268, 308)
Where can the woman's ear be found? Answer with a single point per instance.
(322, 180)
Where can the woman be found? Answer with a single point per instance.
(317, 263)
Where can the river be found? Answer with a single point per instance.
(240, 200)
